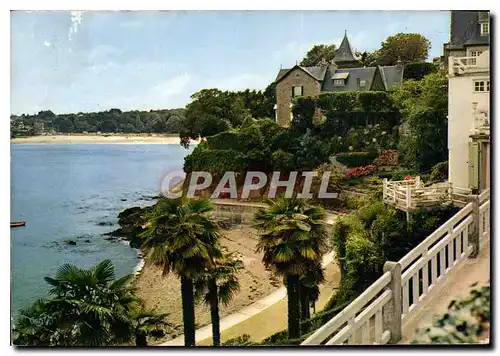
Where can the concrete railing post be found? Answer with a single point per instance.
(408, 196)
(474, 239)
(384, 188)
(392, 312)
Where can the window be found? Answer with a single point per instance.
(297, 91)
(481, 86)
(338, 82)
(474, 54)
(485, 28)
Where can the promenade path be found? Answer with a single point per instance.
(264, 317)
(456, 286)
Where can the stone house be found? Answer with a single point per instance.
(344, 73)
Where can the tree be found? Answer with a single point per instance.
(147, 323)
(292, 239)
(367, 59)
(408, 47)
(183, 239)
(220, 283)
(88, 307)
(318, 54)
(424, 105)
(212, 111)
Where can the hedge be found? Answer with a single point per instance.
(356, 159)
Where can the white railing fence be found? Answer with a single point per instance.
(484, 216)
(361, 321)
(376, 316)
(411, 194)
(428, 263)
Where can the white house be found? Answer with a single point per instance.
(468, 60)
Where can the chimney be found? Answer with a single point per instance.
(323, 63)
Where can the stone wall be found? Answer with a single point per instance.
(297, 77)
(238, 213)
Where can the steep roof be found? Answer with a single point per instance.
(317, 72)
(351, 84)
(345, 53)
(465, 28)
(391, 75)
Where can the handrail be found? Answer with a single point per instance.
(436, 235)
(332, 325)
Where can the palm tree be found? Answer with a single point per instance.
(220, 283)
(147, 323)
(182, 238)
(88, 307)
(292, 238)
(33, 326)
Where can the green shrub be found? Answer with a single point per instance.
(402, 173)
(243, 340)
(439, 172)
(356, 159)
(464, 322)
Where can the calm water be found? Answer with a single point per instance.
(64, 192)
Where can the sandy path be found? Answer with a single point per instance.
(163, 293)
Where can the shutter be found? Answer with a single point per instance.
(301, 90)
(473, 165)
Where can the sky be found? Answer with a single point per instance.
(72, 62)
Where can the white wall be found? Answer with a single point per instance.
(461, 122)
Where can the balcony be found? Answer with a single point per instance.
(469, 65)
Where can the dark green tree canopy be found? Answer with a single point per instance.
(408, 47)
(317, 54)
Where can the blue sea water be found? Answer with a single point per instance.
(75, 192)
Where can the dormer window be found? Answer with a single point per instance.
(485, 28)
(340, 78)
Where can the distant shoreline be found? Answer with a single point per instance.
(99, 139)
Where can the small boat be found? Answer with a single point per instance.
(17, 223)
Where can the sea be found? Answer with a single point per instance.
(69, 195)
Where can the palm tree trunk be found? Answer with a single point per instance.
(292, 286)
(188, 311)
(140, 340)
(214, 312)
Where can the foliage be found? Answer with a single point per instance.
(318, 54)
(292, 240)
(375, 233)
(439, 172)
(243, 340)
(86, 307)
(418, 70)
(218, 284)
(148, 323)
(407, 47)
(367, 59)
(424, 104)
(355, 159)
(111, 121)
(213, 111)
(464, 323)
(387, 158)
(182, 238)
